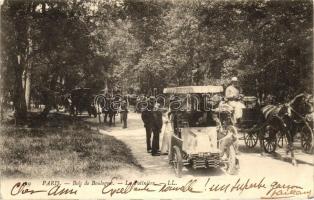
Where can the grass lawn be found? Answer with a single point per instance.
(71, 150)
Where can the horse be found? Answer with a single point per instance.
(108, 111)
(285, 118)
(109, 106)
(114, 106)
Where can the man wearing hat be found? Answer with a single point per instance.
(124, 112)
(232, 95)
(148, 118)
(156, 128)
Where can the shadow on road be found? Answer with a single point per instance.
(288, 159)
(245, 149)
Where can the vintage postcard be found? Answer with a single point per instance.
(156, 99)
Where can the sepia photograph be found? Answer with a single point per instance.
(156, 99)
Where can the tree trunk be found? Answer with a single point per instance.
(19, 11)
(28, 89)
(18, 99)
(28, 71)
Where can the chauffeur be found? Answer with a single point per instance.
(232, 95)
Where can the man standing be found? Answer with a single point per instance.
(147, 117)
(105, 108)
(124, 112)
(156, 127)
(233, 95)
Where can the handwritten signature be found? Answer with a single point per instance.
(278, 190)
(24, 188)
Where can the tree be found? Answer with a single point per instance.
(15, 48)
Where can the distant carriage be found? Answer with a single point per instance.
(132, 99)
(81, 100)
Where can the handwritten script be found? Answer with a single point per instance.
(270, 189)
(55, 190)
(278, 190)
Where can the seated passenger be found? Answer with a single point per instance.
(233, 95)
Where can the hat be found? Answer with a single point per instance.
(234, 79)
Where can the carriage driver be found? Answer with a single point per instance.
(232, 95)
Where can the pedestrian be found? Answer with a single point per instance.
(147, 117)
(70, 105)
(168, 131)
(105, 107)
(124, 113)
(156, 127)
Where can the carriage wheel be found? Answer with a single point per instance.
(306, 139)
(177, 161)
(281, 139)
(269, 141)
(250, 139)
(233, 163)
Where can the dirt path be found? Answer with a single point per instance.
(134, 136)
(267, 165)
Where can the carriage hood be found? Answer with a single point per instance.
(194, 89)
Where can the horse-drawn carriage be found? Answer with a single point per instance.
(275, 125)
(81, 99)
(200, 138)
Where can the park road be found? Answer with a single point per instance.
(251, 160)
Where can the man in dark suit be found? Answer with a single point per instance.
(156, 127)
(147, 117)
(124, 113)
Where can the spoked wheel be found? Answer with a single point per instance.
(232, 164)
(307, 139)
(250, 139)
(269, 140)
(177, 161)
(281, 139)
